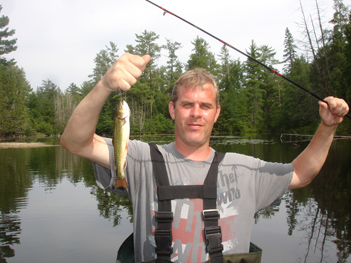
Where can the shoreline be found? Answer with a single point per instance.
(6, 145)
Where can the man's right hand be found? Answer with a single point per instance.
(125, 72)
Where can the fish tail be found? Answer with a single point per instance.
(121, 183)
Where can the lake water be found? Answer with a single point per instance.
(52, 210)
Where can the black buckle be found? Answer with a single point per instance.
(163, 236)
(164, 217)
(210, 214)
(163, 240)
(213, 237)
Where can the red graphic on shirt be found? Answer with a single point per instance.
(187, 230)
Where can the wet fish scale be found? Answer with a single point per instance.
(120, 142)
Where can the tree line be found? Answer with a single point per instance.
(253, 100)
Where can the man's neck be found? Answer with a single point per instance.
(194, 153)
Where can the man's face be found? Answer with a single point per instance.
(194, 113)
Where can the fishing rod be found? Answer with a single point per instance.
(246, 55)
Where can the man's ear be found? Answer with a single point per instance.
(171, 109)
(217, 113)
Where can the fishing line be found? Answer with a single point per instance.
(246, 55)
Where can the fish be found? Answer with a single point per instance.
(120, 141)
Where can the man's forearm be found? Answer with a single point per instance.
(80, 129)
(308, 164)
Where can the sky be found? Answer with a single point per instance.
(58, 40)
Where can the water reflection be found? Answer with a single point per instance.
(48, 167)
(9, 234)
(328, 206)
(315, 219)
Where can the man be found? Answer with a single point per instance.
(244, 185)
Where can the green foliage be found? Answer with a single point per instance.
(299, 110)
(202, 57)
(42, 108)
(289, 51)
(159, 125)
(174, 66)
(13, 93)
(234, 115)
(347, 68)
(106, 119)
(6, 45)
(254, 88)
(103, 61)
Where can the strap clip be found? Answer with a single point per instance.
(210, 214)
(164, 217)
(213, 237)
(163, 240)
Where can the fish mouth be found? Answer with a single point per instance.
(122, 111)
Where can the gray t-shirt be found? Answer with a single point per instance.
(245, 185)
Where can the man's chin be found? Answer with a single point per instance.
(195, 141)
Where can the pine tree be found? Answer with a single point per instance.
(41, 105)
(289, 51)
(347, 68)
(271, 96)
(337, 58)
(234, 113)
(174, 67)
(225, 59)
(14, 90)
(6, 45)
(254, 87)
(202, 57)
(340, 17)
(147, 83)
(103, 61)
(298, 109)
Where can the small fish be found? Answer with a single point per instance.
(120, 142)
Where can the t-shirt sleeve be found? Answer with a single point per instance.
(257, 182)
(272, 180)
(105, 178)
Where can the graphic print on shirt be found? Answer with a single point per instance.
(228, 190)
(187, 230)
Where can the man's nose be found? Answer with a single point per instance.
(196, 111)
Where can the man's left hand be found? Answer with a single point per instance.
(334, 112)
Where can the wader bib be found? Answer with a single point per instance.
(164, 216)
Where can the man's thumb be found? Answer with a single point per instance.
(146, 58)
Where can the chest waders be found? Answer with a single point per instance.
(164, 216)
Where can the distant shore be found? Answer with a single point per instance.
(4, 145)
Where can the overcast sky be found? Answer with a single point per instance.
(59, 39)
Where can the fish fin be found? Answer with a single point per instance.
(121, 183)
(124, 122)
(125, 161)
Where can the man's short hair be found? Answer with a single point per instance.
(195, 78)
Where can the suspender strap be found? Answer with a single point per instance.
(179, 191)
(164, 216)
(212, 231)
